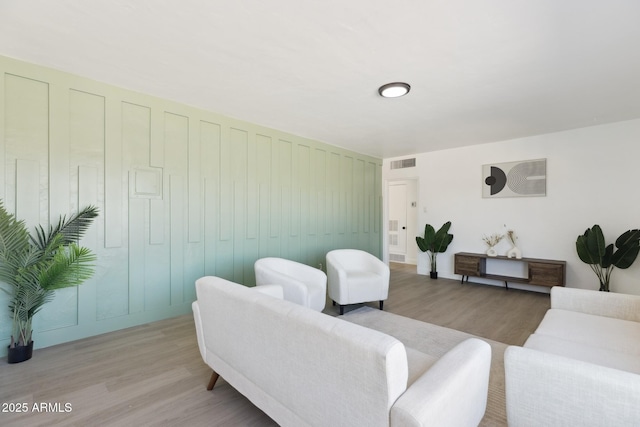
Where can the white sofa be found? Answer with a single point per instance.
(581, 367)
(301, 283)
(305, 368)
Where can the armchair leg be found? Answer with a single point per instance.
(341, 309)
(381, 302)
(212, 381)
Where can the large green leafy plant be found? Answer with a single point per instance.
(603, 258)
(32, 267)
(435, 242)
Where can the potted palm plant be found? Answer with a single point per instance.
(603, 258)
(435, 242)
(32, 267)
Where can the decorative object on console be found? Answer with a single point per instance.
(602, 259)
(514, 252)
(525, 178)
(33, 267)
(435, 242)
(491, 242)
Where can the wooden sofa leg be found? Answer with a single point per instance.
(381, 302)
(212, 381)
(341, 309)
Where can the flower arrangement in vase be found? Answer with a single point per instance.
(514, 252)
(491, 241)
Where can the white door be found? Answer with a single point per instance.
(397, 222)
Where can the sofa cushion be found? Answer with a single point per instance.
(584, 352)
(419, 363)
(596, 331)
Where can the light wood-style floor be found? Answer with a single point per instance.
(154, 375)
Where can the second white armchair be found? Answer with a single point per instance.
(356, 276)
(302, 284)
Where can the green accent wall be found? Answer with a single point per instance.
(182, 193)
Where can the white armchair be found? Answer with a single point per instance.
(301, 283)
(356, 276)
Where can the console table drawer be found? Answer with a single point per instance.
(468, 265)
(544, 274)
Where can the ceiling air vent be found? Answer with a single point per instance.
(404, 163)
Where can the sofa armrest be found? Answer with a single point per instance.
(453, 392)
(608, 304)
(544, 389)
(199, 333)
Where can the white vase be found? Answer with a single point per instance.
(514, 252)
(491, 251)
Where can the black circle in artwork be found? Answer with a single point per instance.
(497, 180)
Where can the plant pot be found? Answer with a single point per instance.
(433, 274)
(20, 353)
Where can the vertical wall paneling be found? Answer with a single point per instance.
(285, 197)
(156, 149)
(321, 202)
(333, 219)
(369, 176)
(27, 138)
(252, 193)
(157, 220)
(88, 196)
(28, 195)
(275, 205)
(239, 141)
(263, 177)
(304, 191)
(113, 171)
(85, 176)
(210, 134)
(358, 191)
(182, 193)
(157, 253)
(136, 246)
(226, 187)
(194, 184)
(176, 194)
(59, 196)
(136, 140)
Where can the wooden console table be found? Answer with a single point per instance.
(542, 272)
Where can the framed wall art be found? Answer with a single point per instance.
(525, 178)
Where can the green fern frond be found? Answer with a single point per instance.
(69, 267)
(71, 230)
(14, 236)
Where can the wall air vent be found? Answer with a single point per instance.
(404, 163)
(396, 257)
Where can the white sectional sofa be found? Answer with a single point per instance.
(581, 367)
(305, 368)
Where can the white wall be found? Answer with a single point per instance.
(592, 178)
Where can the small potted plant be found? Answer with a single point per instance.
(435, 242)
(602, 259)
(32, 267)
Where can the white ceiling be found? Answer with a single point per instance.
(480, 70)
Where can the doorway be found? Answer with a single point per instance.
(402, 221)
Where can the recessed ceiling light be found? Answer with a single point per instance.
(394, 90)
